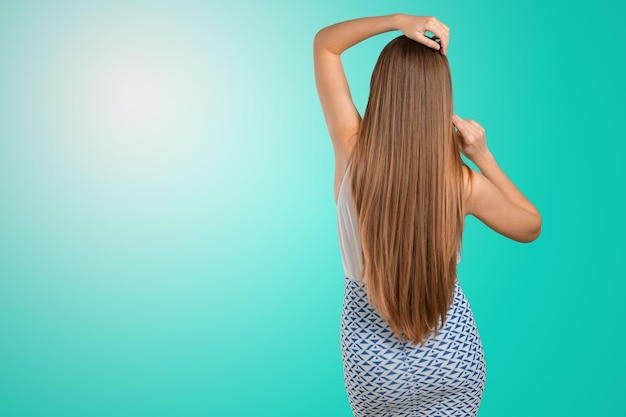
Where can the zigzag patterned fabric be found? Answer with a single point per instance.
(386, 377)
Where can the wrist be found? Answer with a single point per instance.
(396, 20)
(484, 158)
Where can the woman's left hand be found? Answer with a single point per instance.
(415, 27)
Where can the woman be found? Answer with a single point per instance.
(409, 342)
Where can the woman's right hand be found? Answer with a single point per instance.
(415, 27)
(472, 138)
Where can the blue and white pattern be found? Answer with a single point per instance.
(386, 377)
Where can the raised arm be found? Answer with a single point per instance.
(494, 199)
(342, 117)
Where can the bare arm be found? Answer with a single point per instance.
(341, 36)
(342, 117)
(494, 199)
(490, 169)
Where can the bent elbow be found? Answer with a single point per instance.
(318, 40)
(323, 42)
(535, 231)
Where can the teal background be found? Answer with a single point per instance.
(168, 232)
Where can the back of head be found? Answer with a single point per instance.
(407, 185)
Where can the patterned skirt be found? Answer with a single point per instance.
(386, 377)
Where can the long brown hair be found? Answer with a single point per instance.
(407, 184)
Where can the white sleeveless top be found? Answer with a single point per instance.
(347, 224)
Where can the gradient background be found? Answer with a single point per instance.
(167, 224)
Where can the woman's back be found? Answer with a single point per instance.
(347, 222)
(409, 342)
(385, 376)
